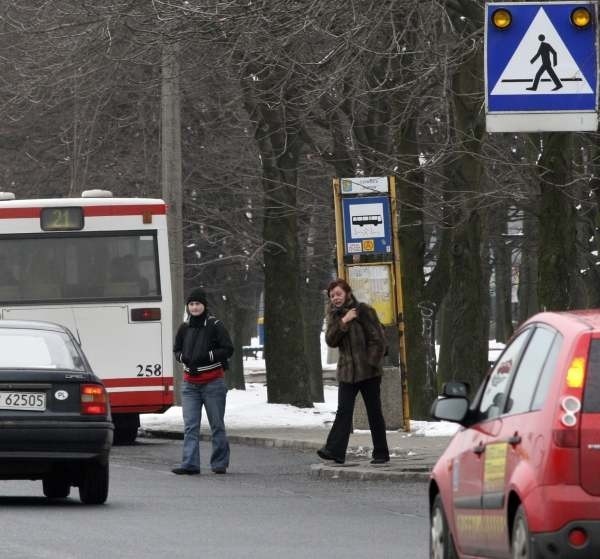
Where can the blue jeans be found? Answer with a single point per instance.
(212, 396)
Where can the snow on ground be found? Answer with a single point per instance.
(249, 409)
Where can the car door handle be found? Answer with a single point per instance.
(479, 449)
(515, 439)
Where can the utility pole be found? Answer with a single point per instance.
(171, 181)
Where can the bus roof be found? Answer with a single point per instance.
(50, 202)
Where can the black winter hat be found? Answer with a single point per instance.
(198, 295)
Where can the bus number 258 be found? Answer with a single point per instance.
(149, 370)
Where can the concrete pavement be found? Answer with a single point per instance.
(411, 456)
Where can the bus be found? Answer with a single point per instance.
(98, 265)
(366, 220)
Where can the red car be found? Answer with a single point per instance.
(521, 478)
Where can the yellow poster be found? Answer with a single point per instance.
(494, 467)
(372, 284)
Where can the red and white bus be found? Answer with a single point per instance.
(100, 266)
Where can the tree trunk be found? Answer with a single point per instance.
(279, 141)
(421, 368)
(238, 327)
(287, 378)
(312, 312)
(557, 248)
(464, 353)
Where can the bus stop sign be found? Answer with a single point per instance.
(541, 62)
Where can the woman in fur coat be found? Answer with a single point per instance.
(355, 330)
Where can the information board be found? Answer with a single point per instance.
(372, 284)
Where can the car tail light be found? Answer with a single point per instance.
(578, 537)
(94, 400)
(566, 432)
(565, 438)
(576, 373)
(142, 315)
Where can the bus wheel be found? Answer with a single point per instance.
(126, 428)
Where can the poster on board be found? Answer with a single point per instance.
(372, 284)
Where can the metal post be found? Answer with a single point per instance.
(399, 304)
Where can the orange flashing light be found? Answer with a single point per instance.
(581, 17)
(501, 18)
(147, 217)
(576, 373)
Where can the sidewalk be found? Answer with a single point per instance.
(411, 456)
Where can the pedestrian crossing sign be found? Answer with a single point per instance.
(541, 67)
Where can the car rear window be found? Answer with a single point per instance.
(591, 395)
(37, 349)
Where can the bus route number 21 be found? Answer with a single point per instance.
(154, 370)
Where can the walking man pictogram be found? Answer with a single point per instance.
(544, 53)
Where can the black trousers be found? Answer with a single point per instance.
(337, 441)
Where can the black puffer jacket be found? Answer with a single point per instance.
(203, 344)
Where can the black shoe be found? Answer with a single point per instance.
(380, 460)
(185, 471)
(219, 470)
(325, 455)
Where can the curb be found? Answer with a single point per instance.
(360, 470)
(240, 439)
(367, 473)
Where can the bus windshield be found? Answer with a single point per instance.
(79, 268)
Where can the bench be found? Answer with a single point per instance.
(249, 351)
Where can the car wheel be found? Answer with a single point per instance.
(441, 544)
(520, 536)
(56, 487)
(93, 487)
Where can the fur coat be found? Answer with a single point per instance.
(361, 342)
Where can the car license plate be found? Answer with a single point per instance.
(31, 401)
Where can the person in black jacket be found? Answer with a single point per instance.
(203, 345)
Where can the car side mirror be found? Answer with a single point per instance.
(450, 409)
